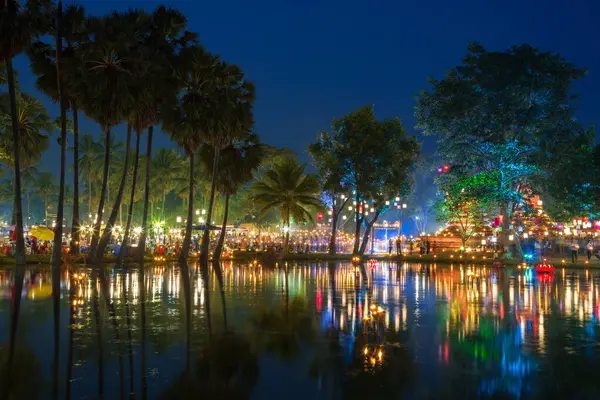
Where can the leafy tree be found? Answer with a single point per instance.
(574, 182)
(288, 188)
(331, 171)
(504, 113)
(462, 210)
(375, 159)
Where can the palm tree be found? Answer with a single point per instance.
(286, 186)
(185, 122)
(34, 125)
(166, 166)
(236, 166)
(228, 115)
(107, 95)
(45, 186)
(161, 46)
(91, 153)
(17, 28)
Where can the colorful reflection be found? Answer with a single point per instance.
(495, 331)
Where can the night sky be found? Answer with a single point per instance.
(313, 60)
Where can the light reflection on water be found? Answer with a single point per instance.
(447, 331)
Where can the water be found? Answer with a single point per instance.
(301, 332)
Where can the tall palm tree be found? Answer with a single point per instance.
(288, 188)
(161, 46)
(228, 115)
(17, 28)
(237, 164)
(107, 95)
(185, 122)
(45, 187)
(57, 68)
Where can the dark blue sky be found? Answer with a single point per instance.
(314, 60)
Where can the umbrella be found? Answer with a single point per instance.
(42, 233)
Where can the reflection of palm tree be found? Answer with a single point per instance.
(14, 323)
(111, 311)
(142, 286)
(219, 273)
(205, 287)
(72, 311)
(56, 314)
(96, 311)
(129, 339)
(187, 293)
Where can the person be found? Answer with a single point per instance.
(574, 250)
(411, 245)
(398, 245)
(589, 247)
(428, 246)
(390, 245)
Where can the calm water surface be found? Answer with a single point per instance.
(300, 331)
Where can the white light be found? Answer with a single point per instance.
(349, 208)
(178, 220)
(285, 229)
(201, 220)
(511, 237)
(372, 209)
(203, 211)
(387, 202)
(343, 217)
(404, 205)
(197, 212)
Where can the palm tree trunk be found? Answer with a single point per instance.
(206, 235)
(131, 197)
(17, 206)
(219, 247)
(162, 208)
(75, 225)
(142, 242)
(144, 377)
(185, 248)
(28, 207)
(46, 208)
(219, 275)
(90, 207)
(119, 197)
(98, 224)
(57, 248)
(286, 240)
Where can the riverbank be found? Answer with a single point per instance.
(263, 258)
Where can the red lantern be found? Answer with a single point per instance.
(319, 216)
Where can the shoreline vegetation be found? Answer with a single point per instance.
(262, 258)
